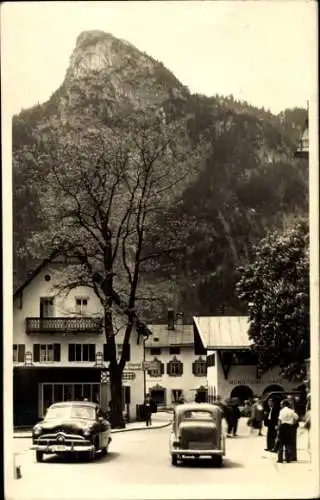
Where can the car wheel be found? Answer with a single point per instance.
(217, 460)
(104, 451)
(174, 460)
(39, 456)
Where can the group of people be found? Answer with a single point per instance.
(282, 422)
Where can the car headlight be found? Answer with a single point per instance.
(37, 430)
(87, 432)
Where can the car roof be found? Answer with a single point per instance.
(196, 406)
(75, 403)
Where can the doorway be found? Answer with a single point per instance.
(158, 394)
(242, 392)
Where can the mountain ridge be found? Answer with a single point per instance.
(251, 184)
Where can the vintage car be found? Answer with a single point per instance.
(197, 431)
(72, 427)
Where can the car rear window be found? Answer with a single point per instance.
(197, 415)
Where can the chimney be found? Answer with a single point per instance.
(170, 319)
(179, 319)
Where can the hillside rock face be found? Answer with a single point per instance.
(250, 184)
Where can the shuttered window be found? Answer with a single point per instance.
(175, 368)
(46, 353)
(199, 368)
(18, 353)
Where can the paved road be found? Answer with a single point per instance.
(138, 466)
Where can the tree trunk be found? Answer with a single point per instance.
(116, 420)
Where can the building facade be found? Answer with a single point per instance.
(59, 350)
(232, 368)
(174, 372)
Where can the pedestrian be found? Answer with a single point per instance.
(286, 420)
(257, 416)
(232, 417)
(307, 420)
(148, 410)
(294, 429)
(271, 421)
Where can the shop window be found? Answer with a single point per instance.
(155, 351)
(81, 305)
(45, 353)
(175, 368)
(18, 353)
(174, 350)
(46, 307)
(199, 367)
(81, 352)
(156, 368)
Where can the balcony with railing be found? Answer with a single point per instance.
(63, 325)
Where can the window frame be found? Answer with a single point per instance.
(174, 350)
(79, 351)
(20, 350)
(175, 368)
(155, 351)
(81, 308)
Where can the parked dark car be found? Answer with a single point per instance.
(76, 427)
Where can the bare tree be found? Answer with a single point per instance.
(100, 192)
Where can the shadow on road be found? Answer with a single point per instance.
(207, 464)
(72, 459)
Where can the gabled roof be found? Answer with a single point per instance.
(31, 275)
(223, 332)
(181, 335)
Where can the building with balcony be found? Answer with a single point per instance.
(232, 367)
(60, 352)
(174, 372)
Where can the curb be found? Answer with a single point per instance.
(113, 431)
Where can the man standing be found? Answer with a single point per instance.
(271, 421)
(148, 410)
(286, 422)
(294, 430)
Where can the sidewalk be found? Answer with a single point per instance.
(159, 420)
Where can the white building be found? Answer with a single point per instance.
(232, 368)
(176, 372)
(59, 349)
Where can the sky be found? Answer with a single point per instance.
(263, 51)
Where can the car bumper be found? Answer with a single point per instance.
(190, 452)
(57, 448)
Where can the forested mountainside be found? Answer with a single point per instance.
(249, 185)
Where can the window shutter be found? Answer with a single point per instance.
(21, 352)
(92, 352)
(161, 368)
(181, 369)
(71, 352)
(56, 352)
(36, 353)
(194, 368)
(127, 395)
(105, 353)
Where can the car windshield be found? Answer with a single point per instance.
(197, 415)
(69, 411)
